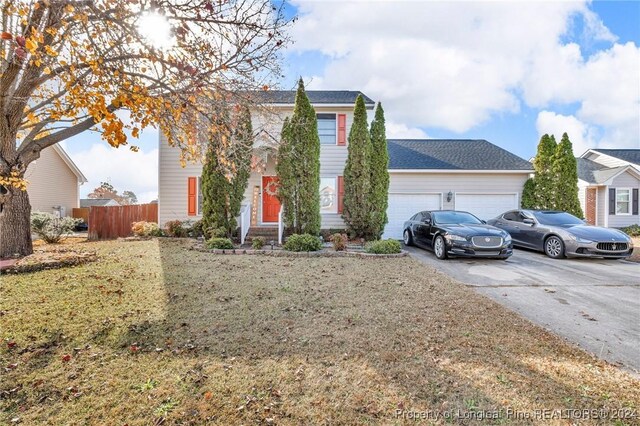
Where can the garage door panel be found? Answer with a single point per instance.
(486, 206)
(403, 206)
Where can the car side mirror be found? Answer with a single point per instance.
(427, 221)
(529, 221)
(483, 221)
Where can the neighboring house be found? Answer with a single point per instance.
(98, 202)
(608, 184)
(54, 182)
(472, 175)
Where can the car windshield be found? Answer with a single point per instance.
(455, 217)
(557, 218)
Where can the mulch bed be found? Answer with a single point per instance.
(47, 259)
(279, 252)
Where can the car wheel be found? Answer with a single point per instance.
(554, 247)
(439, 248)
(407, 238)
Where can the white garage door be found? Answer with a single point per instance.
(486, 206)
(403, 206)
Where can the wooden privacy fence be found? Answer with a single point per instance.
(115, 221)
(81, 213)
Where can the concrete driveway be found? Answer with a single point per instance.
(592, 302)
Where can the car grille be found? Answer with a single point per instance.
(612, 246)
(486, 242)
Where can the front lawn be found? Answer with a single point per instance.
(155, 333)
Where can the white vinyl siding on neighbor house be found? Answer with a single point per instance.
(601, 206)
(624, 181)
(52, 183)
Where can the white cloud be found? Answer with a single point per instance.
(123, 168)
(581, 135)
(401, 131)
(454, 65)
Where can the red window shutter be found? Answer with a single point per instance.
(191, 196)
(340, 193)
(342, 129)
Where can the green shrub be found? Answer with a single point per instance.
(50, 228)
(383, 247)
(632, 230)
(339, 241)
(303, 242)
(220, 243)
(258, 242)
(216, 233)
(146, 229)
(175, 228)
(196, 229)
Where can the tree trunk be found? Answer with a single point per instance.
(15, 226)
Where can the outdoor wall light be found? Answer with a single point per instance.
(449, 196)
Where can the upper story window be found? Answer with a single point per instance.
(327, 129)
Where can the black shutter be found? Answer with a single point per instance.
(635, 201)
(612, 201)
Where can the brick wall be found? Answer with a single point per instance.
(590, 211)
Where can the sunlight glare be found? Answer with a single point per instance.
(155, 29)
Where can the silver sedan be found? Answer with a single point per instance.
(560, 234)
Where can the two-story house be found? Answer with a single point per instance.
(608, 183)
(472, 175)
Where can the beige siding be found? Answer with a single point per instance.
(625, 180)
(172, 178)
(480, 183)
(582, 195)
(52, 183)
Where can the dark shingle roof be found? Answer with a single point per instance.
(452, 154)
(315, 97)
(586, 169)
(94, 202)
(630, 155)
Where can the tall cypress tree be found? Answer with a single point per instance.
(226, 171)
(565, 170)
(357, 175)
(379, 174)
(544, 180)
(298, 167)
(529, 194)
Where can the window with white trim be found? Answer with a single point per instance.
(327, 129)
(623, 201)
(328, 195)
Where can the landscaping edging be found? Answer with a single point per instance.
(285, 253)
(30, 265)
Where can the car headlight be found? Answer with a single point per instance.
(454, 237)
(581, 240)
(507, 238)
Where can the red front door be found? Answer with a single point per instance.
(270, 203)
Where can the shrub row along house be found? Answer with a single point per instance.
(472, 175)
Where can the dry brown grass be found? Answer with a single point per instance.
(159, 333)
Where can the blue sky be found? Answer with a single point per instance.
(502, 71)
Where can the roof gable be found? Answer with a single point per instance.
(452, 154)
(595, 173)
(629, 155)
(69, 162)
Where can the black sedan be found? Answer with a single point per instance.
(559, 234)
(456, 233)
